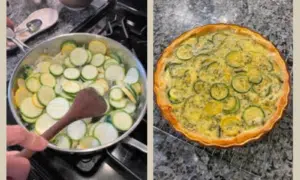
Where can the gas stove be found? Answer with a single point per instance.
(126, 22)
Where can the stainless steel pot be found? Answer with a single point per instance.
(52, 47)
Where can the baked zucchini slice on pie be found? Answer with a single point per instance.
(221, 85)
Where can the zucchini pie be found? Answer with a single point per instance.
(221, 85)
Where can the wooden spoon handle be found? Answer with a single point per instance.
(48, 134)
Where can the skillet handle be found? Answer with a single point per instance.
(136, 144)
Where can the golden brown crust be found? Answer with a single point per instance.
(243, 138)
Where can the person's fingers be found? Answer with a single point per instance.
(17, 135)
(17, 168)
(9, 23)
(12, 153)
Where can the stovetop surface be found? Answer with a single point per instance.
(124, 21)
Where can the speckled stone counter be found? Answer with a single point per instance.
(18, 11)
(269, 158)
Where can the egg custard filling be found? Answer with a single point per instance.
(221, 84)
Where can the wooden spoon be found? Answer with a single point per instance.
(87, 103)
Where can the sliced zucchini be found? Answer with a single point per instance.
(68, 63)
(137, 88)
(199, 87)
(175, 96)
(89, 72)
(90, 56)
(97, 60)
(184, 52)
(43, 123)
(128, 91)
(118, 104)
(71, 87)
(240, 83)
(58, 107)
(99, 88)
(45, 95)
(77, 130)
(176, 70)
(130, 107)
(29, 120)
(235, 59)
(36, 102)
(43, 67)
(33, 84)
(21, 94)
(56, 69)
(116, 94)
(103, 83)
(29, 110)
(255, 76)
(231, 105)
(264, 88)
(68, 46)
(218, 38)
(97, 46)
(115, 56)
(71, 73)
(132, 76)
(253, 115)
(115, 73)
(219, 91)
(79, 56)
(92, 127)
(63, 141)
(122, 120)
(231, 125)
(265, 65)
(48, 79)
(105, 133)
(192, 41)
(21, 83)
(88, 142)
(109, 63)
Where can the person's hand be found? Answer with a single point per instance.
(9, 23)
(17, 167)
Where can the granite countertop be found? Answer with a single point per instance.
(269, 158)
(18, 11)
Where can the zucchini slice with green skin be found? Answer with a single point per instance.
(45, 95)
(56, 69)
(231, 105)
(265, 65)
(97, 46)
(116, 94)
(90, 56)
(71, 87)
(234, 59)
(79, 56)
(28, 120)
(137, 88)
(105, 132)
(29, 110)
(184, 52)
(218, 39)
(255, 76)
(199, 87)
(122, 120)
(115, 56)
(71, 73)
(118, 104)
(115, 73)
(48, 79)
(176, 70)
(77, 130)
(68, 63)
(262, 91)
(43, 123)
(33, 84)
(88, 142)
(68, 43)
(132, 76)
(219, 91)
(98, 60)
(240, 83)
(175, 96)
(58, 107)
(130, 107)
(89, 72)
(63, 141)
(253, 115)
(191, 41)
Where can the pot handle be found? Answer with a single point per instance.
(136, 144)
